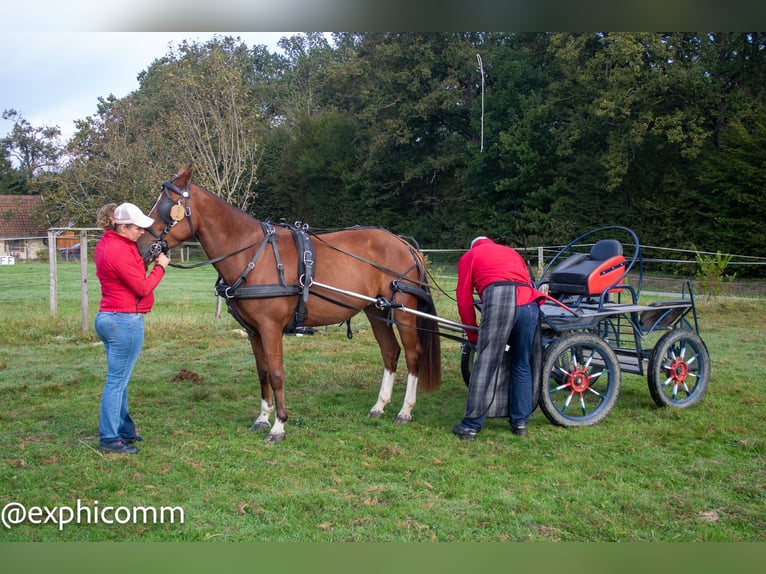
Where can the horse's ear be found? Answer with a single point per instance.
(183, 176)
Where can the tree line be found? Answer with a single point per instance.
(532, 138)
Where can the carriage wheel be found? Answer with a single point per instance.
(468, 356)
(679, 369)
(580, 380)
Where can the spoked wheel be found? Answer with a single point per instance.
(580, 380)
(468, 356)
(679, 369)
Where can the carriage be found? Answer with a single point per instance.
(593, 329)
(278, 278)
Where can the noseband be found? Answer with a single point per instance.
(171, 211)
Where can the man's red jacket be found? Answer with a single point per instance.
(485, 263)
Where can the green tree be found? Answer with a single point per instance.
(33, 149)
(213, 118)
(11, 180)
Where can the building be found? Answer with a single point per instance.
(21, 238)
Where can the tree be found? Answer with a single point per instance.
(11, 180)
(213, 118)
(34, 149)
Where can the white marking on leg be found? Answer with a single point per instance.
(384, 396)
(278, 429)
(263, 418)
(410, 398)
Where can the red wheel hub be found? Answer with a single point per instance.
(578, 381)
(679, 370)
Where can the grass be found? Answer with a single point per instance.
(643, 474)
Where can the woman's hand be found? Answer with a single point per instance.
(162, 260)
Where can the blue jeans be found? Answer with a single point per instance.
(520, 358)
(123, 338)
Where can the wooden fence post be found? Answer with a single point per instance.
(84, 279)
(52, 271)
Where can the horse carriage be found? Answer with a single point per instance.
(278, 278)
(593, 329)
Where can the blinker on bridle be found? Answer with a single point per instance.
(171, 211)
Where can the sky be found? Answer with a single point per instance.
(56, 78)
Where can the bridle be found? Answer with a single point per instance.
(171, 211)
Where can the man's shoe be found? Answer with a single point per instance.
(519, 429)
(132, 440)
(119, 447)
(464, 432)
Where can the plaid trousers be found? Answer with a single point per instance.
(488, 391)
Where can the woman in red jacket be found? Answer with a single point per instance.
(127, 294)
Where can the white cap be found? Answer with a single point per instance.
(129, 213)
(477, 239)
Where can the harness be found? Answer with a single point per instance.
(305, 272)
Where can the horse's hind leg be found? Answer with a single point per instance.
(267, 407)
(390, 351)
(412, 352)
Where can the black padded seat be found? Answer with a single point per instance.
(589, 274)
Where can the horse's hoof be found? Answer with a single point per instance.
(260, 426)
(275, 438)
(373, 414)
(400, 420)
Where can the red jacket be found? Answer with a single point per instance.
(488, 262)
(125, 286)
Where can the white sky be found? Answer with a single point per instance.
(55, 78)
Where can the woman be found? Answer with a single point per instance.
(127, 294)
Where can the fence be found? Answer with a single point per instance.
(444, 259)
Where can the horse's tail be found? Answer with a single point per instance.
(430, 363)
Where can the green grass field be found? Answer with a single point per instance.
(643, 474)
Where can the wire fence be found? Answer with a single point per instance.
(665, 269)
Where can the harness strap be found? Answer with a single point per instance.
(305, 276)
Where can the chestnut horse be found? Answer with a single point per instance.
(276, 278)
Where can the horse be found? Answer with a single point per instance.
(277, 278)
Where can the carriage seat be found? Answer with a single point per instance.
(589, 274)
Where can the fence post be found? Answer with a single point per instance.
(52, 271)
(84, 279)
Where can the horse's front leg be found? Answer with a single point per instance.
(271, 352)
(267, 407)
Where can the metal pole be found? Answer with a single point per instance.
(452, 325)
(481, 67)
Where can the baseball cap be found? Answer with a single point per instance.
(129, 213)
(477, 239)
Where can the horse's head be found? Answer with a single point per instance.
(172, 207)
